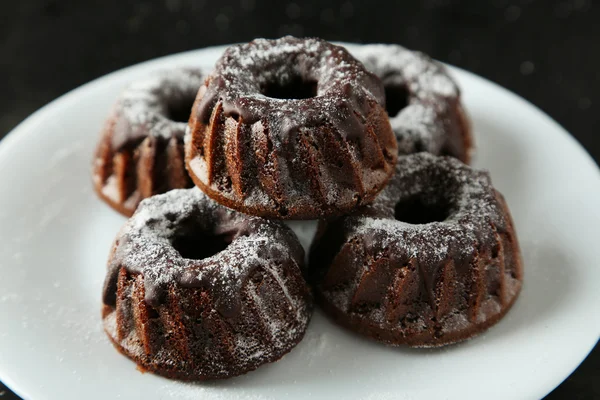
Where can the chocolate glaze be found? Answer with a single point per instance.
(145, 108)
(302, 157)
(425, 284)
(141, 151)
(244, 71)
(425, 103)
(144, 246)
(223, 314)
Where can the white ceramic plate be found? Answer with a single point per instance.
(56, 234)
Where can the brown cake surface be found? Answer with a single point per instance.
(196, 291)
(140, 152)
(291, 129)
(422, 101)
(434, 260)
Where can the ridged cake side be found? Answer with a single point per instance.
(290, 158)
(125, 177)
(141, 151)
(421, 284)
(210, 317)
(184, 338)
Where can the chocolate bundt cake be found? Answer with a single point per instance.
(434, 260)
(422, 101)
(196, 291)
(290, 129)
(141, 149)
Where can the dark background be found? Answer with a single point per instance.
(546, 51)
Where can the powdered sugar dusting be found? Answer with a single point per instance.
(281, 61)
(145, 244)
(466, 193)
(144, 108)
(434, 262)
(420, 125)
(342, 102)
(256, 279)
(426, 78)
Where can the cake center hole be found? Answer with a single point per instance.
(296, 88)
(200, 246)
(396, 99)
(179, 111)
(415, 211)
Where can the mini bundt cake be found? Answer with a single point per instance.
(141, 149)
(290, 129)
(422, 101)
(434, 260)
(195, 291)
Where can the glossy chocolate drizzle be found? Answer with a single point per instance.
(345, 92)
(436, 246)
(145, 246)
(158, 105)
(423, 101)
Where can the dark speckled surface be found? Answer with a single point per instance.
(546, 51)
